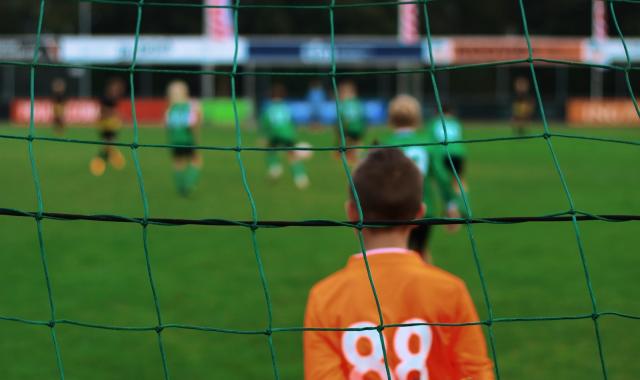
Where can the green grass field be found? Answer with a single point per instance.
(208, 276)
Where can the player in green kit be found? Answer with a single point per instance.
(353, 117)
(454, 132)
(276, 124)
(182, 120)
(405, 116)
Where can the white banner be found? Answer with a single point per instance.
(443, 50)
(188, 50)
(610, 51)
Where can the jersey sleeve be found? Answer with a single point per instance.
(195, 115)
(321, 359)
(468, 344)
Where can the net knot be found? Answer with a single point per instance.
(30, 138)
(380, 328)
(237, 149)
(488, 323)
(254, 226)
(268, 332)
(595, 316)
(51, 324)
(158, 329)
(38, 216)
(546, 135)
(134, 145)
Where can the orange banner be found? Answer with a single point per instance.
(602, 112)
(491, 49)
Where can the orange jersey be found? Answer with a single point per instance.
(410, 292)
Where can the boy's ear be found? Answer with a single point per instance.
(422, 212)
(351, 209)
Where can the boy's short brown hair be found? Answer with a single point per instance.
(405, 111)
(389, 186)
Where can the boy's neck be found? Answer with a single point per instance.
(391, 238)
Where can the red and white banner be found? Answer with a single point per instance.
(408, 23)
(599, 20)
(87, 111)
(80, 111)
(218, 22)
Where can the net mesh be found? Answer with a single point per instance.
(571, 215)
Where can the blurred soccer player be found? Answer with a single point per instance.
(352, 115)
(182, 120)
(523, 105)
(109, 125)
(59, 98)
(410, 291)
(405, 117)
(276, 123)
(454, 132)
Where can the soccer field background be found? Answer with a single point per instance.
(208, 276)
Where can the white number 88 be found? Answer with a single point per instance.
(411, 361)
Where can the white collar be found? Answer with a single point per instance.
(384, 250)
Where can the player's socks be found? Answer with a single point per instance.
(97, 166)
(179, 177)
(274, 167)
(302, 181)
(299, 175)
(192, 173)
(116, 159)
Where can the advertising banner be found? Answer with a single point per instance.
(21, 48)
(149, 111)
(188, 50)
(492, 49)
(610, 51)
(219, 111)
(303, 112)
(77, 111)
(602, 112)
(205, 50)
(318, 51)
(443, 50)
(86, 111)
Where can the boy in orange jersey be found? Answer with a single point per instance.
(410, 291)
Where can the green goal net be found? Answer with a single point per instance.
(572, 214)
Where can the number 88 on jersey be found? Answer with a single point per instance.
(362, 349)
